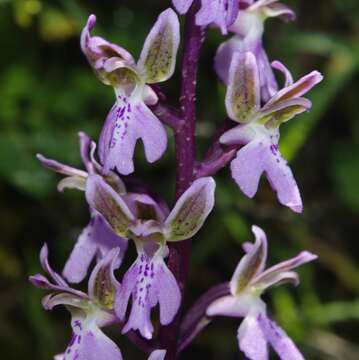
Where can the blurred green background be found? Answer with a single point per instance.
(48, 93)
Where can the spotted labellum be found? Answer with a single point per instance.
(130, 118)
(258, 128)
(248, 283)
(139, 218)
(141, 296)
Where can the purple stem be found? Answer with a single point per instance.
(179, 255)
(218, 155)
(165, 112)
(196, 320)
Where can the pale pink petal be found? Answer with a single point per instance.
(278, 339)
(251, 339)
(182, 6)
(157, 355)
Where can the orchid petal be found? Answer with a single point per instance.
(282, 68)
(239, 135)
(61, 168)
(251, 264)
(263, 156)
(97, 238)
(299, 88)
(72, 182)
(182, 6)
(98, 51)
(88, 342)
(278, 339)
(109, 204)
(150, 282)
(158, 56)
(102, 283)
(157, 355)
(280, 10)
(191, 210)
(281, 272)
(251, 339)
(232, 306)
(128, 121)
(243, 92)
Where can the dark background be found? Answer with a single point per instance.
(48, 93)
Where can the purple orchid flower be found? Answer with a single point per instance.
(249, 29)
(249, 281)
(130, 119)
(157, 355)
(90, 312)
(148, 280)
(221, 13)
(259, 127)
(97, 238)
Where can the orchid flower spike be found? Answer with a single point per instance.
(258, 127)
(130, 119)
(139, 218)
(97, 238)
(90, 312)
(249, 281)
(221, 13)
(248, 29)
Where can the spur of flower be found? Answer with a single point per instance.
(248, 29)
(97, 238)
(249, 281)
(220, 13)
(258, 128)
(89, 312)
(138, 217)
(130, 118)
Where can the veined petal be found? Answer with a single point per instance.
(72, 299)
(251, 339)
(102, 283)
(61, 168)
(280, 112)
(72, 182)
(278, 339)
(263, 156)
(222, 13)
(281, 272)
(243, 92)
(182, 6)
(191, 210)
(109, 204)
(158, 56)
(298, 89)
(251, 264)
(85, 150)
(157, 355)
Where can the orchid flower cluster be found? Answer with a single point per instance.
(124, 214)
